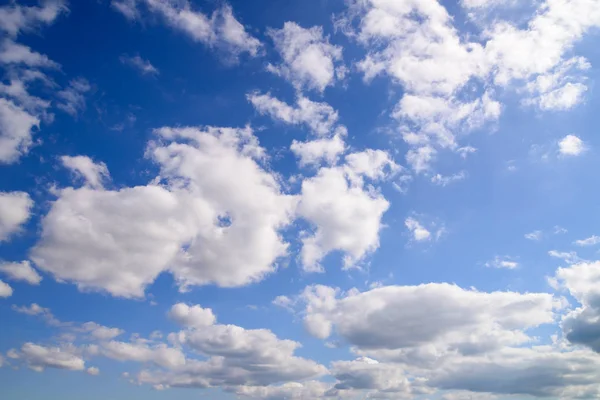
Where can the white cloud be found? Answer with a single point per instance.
(368, 374)
(568, 257)
(16, 127)
(221, 31)
(73, 96)
(283, 301)
(535, 235)
(316, 152)
(571, 145)
(420, 158)
(591, 241)
(16, 54)
(502, 263)
(93, 371)
(144, 67)
(159, 354)
(320, 118)
(426, 324)
(309, 60)
(418, 231)
(346, 217)
(22, 271)
(15, 18)
(580, 325)
(5, 289)
(36, 310)
(92, 173)
(192, 317)
(15, 210)
(445, 180)
(100, 332)
(220, 228)
(40, 357)
(308, 390)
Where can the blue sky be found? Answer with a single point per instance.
(299, 200)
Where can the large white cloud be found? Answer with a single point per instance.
(308, 59)
(218, 227)
(15, 210)
(39, 357)
(345, 214)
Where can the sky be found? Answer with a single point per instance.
(294, 200)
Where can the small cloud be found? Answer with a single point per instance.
(535, 235)
(505, 262)
(418, 231)
(144, 67)
(571, 145)
(558, 230)
(570, 257)
(591, 241)
(93, 371)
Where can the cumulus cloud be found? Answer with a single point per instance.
(15, 210)
(16, 131)
(20, 271)
(192, 317)
(5, 289)
(144, 67)
(320, 118)
(100, 332)
(449, 84)
(221, 30)
(220, 228)
(581, 324)
(316, 152)
(84, 167)
(418, 231)
(399, 323)
(39, 357)
(571, 145)
(308, 59)
(345, 214)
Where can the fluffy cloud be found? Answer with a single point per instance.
(424, 324)
(16, 126)
(308, 59)
(449, 83)
(320, 118)
(84, 167)
(39, 357)
(418, 231)
(236, 357)
(316, 152)
(100, 332)
(581, 324)
(346, 216)
(15, 18)
(192, 317)
(221, 30)
(5, 290)
(220, 228)
(368, 374)
(93, 371)
(144, 67)
(571, 145)
(159, 354)
(22, 271)
(15, 209)
(308, 390)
